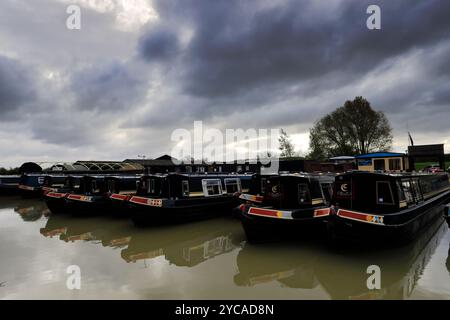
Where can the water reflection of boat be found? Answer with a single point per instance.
(186, 245)
(110, 232)
(263, 264)
(9, 202)
(344, 275)
(31, 210)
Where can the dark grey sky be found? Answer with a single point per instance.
(137, 70)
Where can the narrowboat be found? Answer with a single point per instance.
(386, 207)
(292, 204)
(30, 184)
(9, 184)
(175, 198)
(56, 197)
(93, 194)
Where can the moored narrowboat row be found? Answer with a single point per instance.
(354, 205)
(56, 198)
(93, 194)
(287, 204)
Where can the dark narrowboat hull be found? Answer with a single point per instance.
(9, 185)
(29, 192)
(92, 207)
(181, 211)
(405, 227)
(119, 205)
(96, 205)
(56, 205)
(9, 190)
(267, 229)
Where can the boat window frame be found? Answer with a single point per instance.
(185, 188)
(263, 185)
(108, 185)
(151, 186)
(412, 202)
(94, 186)
(307, 190)
(377, 183)
(237, 182)
(212, 182)
(329, 187)
(417, 190)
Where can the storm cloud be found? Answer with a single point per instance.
(112, 91)
(16, 88)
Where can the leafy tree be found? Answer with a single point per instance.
(286, 147)
(4, 171)
(354, 128)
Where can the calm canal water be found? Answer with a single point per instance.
(203, 260)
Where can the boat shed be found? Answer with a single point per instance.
(383, 161)
(81, 167)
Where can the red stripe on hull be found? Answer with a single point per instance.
(322, 212)
(118, 197)
(263, 212)
(139, 200)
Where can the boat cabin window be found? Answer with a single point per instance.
(110, 186)
(185, 188)
(384, 193)
(406, 186)
(233, 185)
(95, 187)
(263, 185)
(418, 196)
(327, 190)
(151, 186)
(401, 194)
(68, 183)
(212, 187)
(303, 193)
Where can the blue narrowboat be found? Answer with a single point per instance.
(9, 184)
